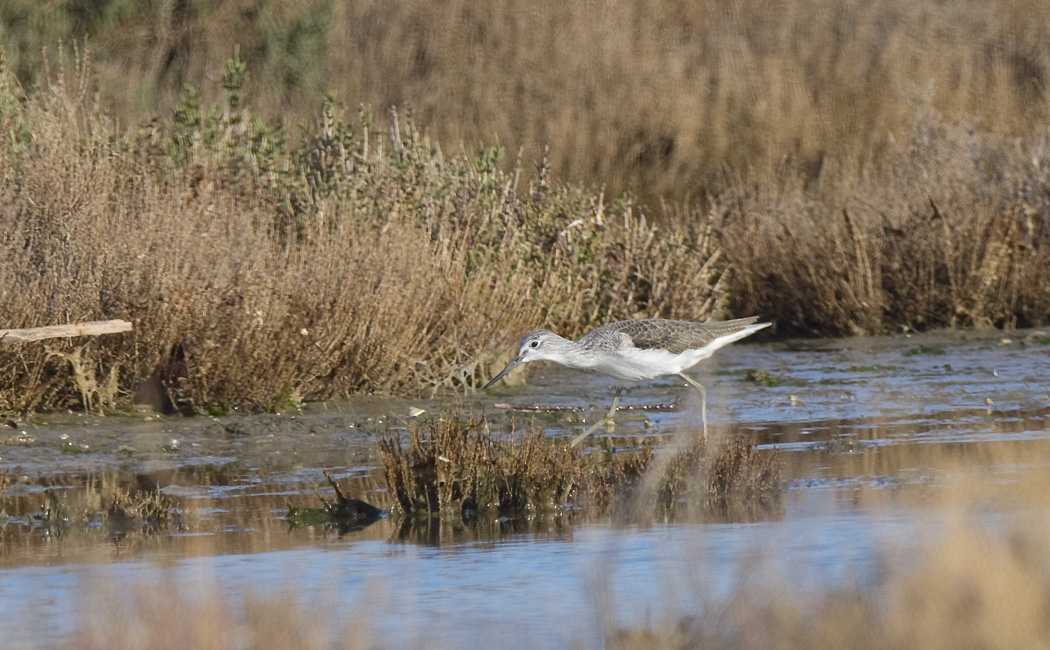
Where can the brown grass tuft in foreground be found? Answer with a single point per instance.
(973, 589)
(452, 466)
(456, 466)
(168, 617)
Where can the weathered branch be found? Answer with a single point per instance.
(64, 331)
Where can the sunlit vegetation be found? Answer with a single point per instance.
(353, 203)
(667, 99)
(262, 274)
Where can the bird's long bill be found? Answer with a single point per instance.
(510, 366)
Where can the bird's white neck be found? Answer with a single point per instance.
(569, 353)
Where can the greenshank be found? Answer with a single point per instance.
(633, 351)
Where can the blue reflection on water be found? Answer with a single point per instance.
(525, 591)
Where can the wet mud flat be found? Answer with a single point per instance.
(873, 435)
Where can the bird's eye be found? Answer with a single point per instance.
(535, 344)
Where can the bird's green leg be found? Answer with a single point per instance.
(608, 418)
(703, 399)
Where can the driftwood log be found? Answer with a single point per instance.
(64, 331)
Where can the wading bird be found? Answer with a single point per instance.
(633, 351)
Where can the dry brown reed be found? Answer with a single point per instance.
(687, 478)
(5, 480)
(452, 466)
(662, 98)
(166, 616)
(958, 237)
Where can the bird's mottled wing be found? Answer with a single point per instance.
(675, 336)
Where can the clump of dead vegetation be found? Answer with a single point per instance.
(105, 505)
(733, 467)
(144, 511)
(729, 480)
(452, 466)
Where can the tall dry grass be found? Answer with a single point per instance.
(661, 98)
(258, 273)
(958, 236)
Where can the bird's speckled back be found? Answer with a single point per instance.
(675, 336)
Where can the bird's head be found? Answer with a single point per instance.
(537, 345)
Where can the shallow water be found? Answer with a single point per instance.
(872, 433)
